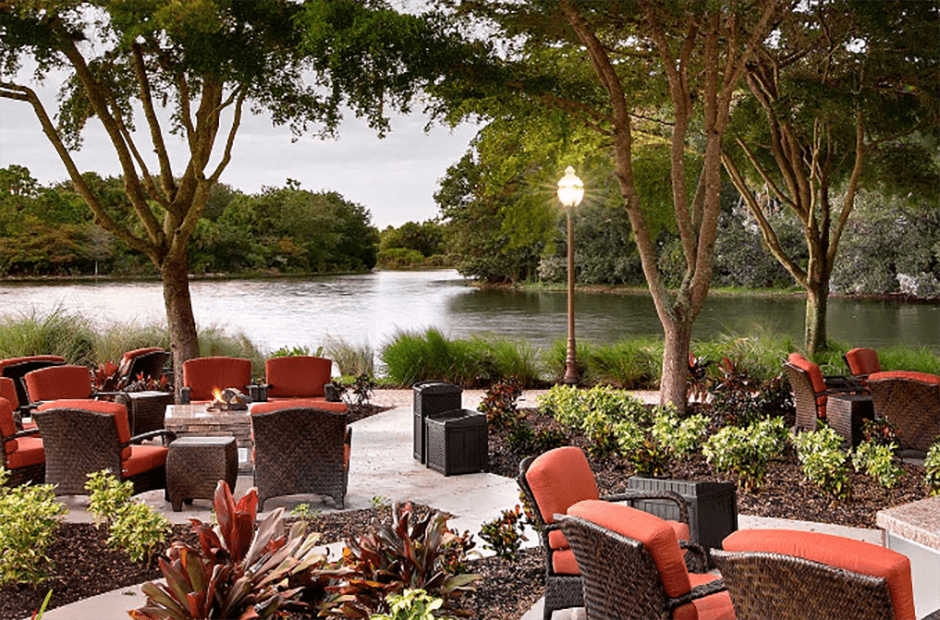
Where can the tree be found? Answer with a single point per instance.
(837, 98)
(614, 65)
(204, 60)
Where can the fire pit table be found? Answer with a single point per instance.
(199, 420)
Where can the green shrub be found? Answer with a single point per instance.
(107, 495)
(823, 462)
(630, 436)
(634, 364)
(649, 459)
(878, 461)
(351, 360)
(746, 452)
(679, 437)
(932, 469)
(138, 529)
(412, 605)
(29, 516)
(499, 403)
(505, 534)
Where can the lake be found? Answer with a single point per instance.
(371, 308)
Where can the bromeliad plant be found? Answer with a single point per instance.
(237, 571)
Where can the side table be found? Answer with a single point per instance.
(846, 413)
(194, 466)
(145, 410)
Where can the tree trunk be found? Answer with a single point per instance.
(184, 341)
(672, 388)
(815, 333)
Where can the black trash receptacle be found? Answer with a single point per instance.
(457, 442)
(431, 397)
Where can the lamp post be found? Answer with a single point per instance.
(570, 193)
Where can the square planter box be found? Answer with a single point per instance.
(713, 507)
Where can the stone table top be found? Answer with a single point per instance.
(918, 522)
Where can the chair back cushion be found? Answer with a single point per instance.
(921, 377)
(12, 361)
(204, 374)
(297, 403)
(558, 479)
(118, 410)
(127, 360)
(811, 369)
(7, 425)
(845, 553)
(58, 382)
(297, 376)
(863, 361)
(8, 391)
(657, 537)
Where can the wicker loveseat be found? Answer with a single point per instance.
(911, 400)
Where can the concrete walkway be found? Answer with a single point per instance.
(382, 466)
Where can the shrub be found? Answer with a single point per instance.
(746, 452)
(411, 605)
(823, 462)
(351, 360)
(107, 495)
(630, 436)
(877, 460)
(499, 403)
(882, 432)
(29, 515)
(138, 529)
(932, 469)
(679, 437)
(650, 459)
(504, 535)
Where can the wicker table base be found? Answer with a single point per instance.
(194, 466)
(846, 412)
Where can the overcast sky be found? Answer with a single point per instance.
(395, 177)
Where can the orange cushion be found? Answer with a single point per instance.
(297, 403)
(563, 562)
(845, 553)
(11, 361)
(863, 361)
(7, 425)
(141, 459)
(297, 376)
(118, 410)
(57, 382)
(29, 451)
(811, 369)
(8, 391)
(129, 355)
(923, 377)
(558, 479)
(657, 537)
(204, 374)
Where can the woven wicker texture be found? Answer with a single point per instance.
(301, 451)
(195, 465)
(145, 410)
(564, 591)
(805, 396)
(620, 579)
(911, 404)
(771, 585)
(79, 443)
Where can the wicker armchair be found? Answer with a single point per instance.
(202, 375)
(301, 447)
(553, 482)
(85, 436)
(911, 400)
(795, 575)
(148, 362)
(59, 382)
(16, 368)
(862, 362)
(297, 377)
(22, 451)
(633, 567)
(811, 390)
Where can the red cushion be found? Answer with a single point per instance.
(558, 479)
(863, 361)
(58, 382)
(297, 376)
(815, 377)
(11, 361)
(8, 391)
(297, 403)
(129, 355)
(845, 553)
(204, 374)
(29, 451)
(7, 425)
(118, 410)
(657, 537)
(923, 377)
(563, 562)
(141, 459)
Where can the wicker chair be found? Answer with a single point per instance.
(862, 362)
(202, 375)
(633, 567)
(86, 436)
(795, 575)
(297, 377)
(59, 382)
(811, 390)
(148, 362)
(554, 481)
(16, 368)
(911, 400)
(301, 447)
(23, 456)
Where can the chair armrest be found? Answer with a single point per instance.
(696, 560)
(23, 433)
(170, 435)
(842, 382)
(706, 589)
(632, 495)
(184, 394)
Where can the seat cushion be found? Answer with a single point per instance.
(7, 425)
(29, 451)
(204, 374)
(558, 479)
(58, 382)
(657, 537)
(563, 562)
(297, 403)
(143, 458)
(13, 361)
(118, 410)
(8, 391)
(845, 553)
(297, 376)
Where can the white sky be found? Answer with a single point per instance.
(395, 177)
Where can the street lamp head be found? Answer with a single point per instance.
(570, 189)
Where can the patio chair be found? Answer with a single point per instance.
(911, 400)
(23, 455)
(202, 375)
(792, 575)
(633, 567)
(301, 447)
(554, 481)
(85, 436)
(59, 382)
(297, 377)
(16, 368)
(811, 390)
(862, 362)
(148, 362)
